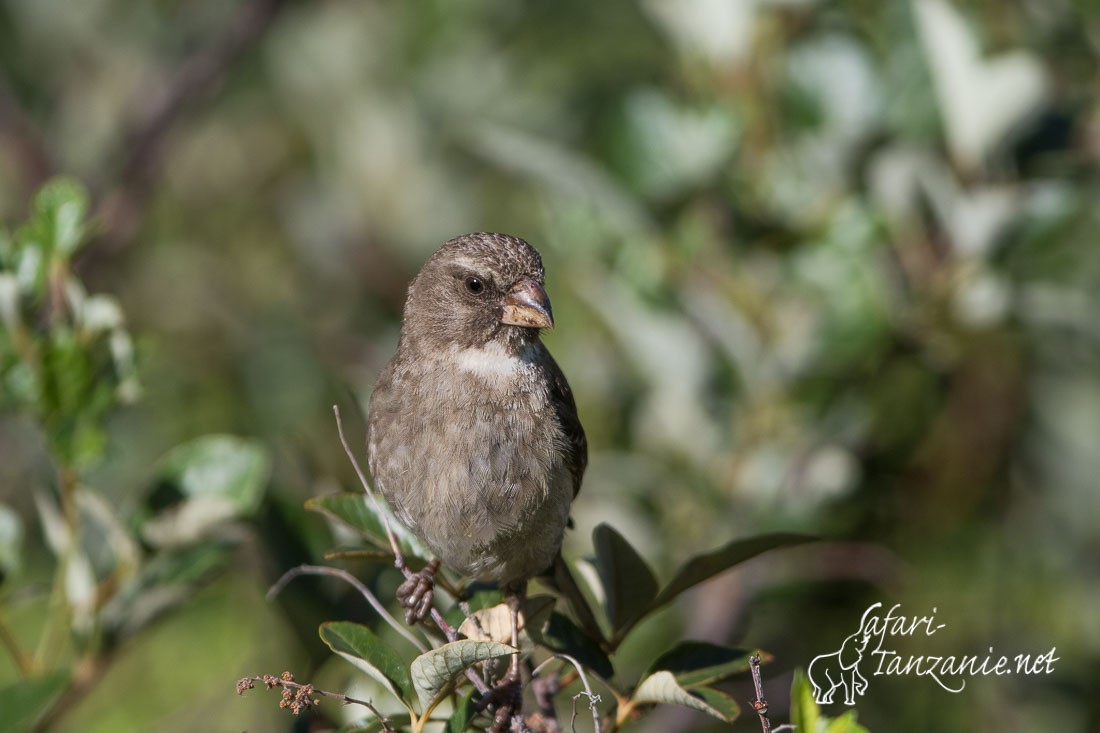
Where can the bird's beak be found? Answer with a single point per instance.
(527, 305)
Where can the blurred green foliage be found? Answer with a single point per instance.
(66, 357)
(66, 361)
(818, 266)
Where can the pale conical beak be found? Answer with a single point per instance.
(527, 305)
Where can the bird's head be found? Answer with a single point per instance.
(475, 290)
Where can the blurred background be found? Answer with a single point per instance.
(824, 266)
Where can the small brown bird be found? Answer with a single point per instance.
(473, 434)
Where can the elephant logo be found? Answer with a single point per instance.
(840, 669)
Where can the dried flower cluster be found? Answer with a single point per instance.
(296, 697)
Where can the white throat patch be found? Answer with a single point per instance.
(491, 360)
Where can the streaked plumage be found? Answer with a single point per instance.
(473, 434)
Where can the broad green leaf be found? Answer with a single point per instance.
(720, 701)
(111, 546)
(661, 687)
(565, 637)
(805, 714)
(27, 700)
(669, 148)
(359, 645)
(627, 580)
(358, 512)
(55, 230)
(432, 672)
(564, 580)
(704, 567)
(697, 663)
(223, 467)
(184, 567)
(484, 598)
(846, 723)
(59, 211)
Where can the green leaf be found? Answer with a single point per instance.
(846, 723)
(164, 581)
(629, 584)
(661, 687)
(697, 663)
(7, 250)
(11, 542)
(359, 645)
(704, 567)
(480, 600)
(358, 512)
(55, 230)
(26, 701)
(719, 701)
(31, 264)
(805, 714)
(432, 672)
(464, 713)
(223, 467)
(59, 211)
(565, 637)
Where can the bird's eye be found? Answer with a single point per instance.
(474, 284)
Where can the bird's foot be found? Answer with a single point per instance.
(417, 592)
(504, 701)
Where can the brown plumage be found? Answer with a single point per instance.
(473, 433)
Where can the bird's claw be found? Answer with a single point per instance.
(417, 592)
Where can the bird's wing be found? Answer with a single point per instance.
(566, 407)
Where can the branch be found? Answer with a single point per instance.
(140, 150)
(298, 697)
(31, 153)
(353, 582)
(760, 705)
(593, 699)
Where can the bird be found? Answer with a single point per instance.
(473, 436)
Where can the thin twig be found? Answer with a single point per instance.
(545, 688)
(353, 582)
(593, 698)
(760, 705)
(247, 683)
(399, 559)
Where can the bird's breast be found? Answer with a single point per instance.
(475, 460)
